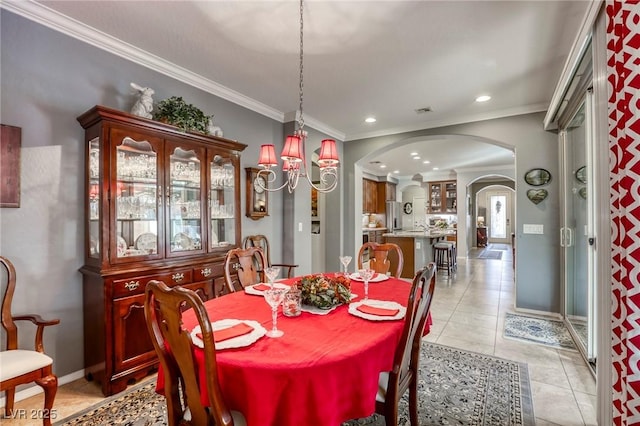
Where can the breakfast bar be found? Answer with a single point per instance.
(416, 246)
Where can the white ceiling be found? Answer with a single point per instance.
(362, 58)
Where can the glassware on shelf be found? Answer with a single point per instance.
(345, 260)
(272, 273)
(274, 298)
(366, 275)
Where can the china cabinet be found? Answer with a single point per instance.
(161, 204)
(443, 197)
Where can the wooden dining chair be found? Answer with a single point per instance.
(19, 366)
(163, 310)
(242, 267)
(381, 257)
(393, 384)
(262, 242)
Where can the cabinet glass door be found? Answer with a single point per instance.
(435, 198)
(222, 203)
(94, 197)
(450, 197)
(185, 201)
(136, 195)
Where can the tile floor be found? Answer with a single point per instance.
(468, 312)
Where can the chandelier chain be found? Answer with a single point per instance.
(301, 118)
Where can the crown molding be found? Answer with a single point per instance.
(52, 19)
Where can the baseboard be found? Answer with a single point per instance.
(35, 389)
(536, 312)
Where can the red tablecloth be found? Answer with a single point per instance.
(323, 371)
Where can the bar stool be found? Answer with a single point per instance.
(443, 256)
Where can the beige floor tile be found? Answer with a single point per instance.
(555, 404)
(587, 405)
(474, 319)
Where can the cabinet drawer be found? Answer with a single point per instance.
(208, 271)
(136, 285)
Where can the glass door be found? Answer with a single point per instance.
(498, 217)
(578, 229)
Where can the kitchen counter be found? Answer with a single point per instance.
(367, 229)
(416, 246)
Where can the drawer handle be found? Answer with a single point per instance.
(177, 277)
(132, 285)
(206, 272)
(235, 266)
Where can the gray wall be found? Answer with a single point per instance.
(538, 279)
(48, 79)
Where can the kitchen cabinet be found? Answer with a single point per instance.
(160, 204)
(369, 196)
(443, 197)
(386, 192)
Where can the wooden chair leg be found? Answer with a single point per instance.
(10, 395)
(50, 386)
(413, 402)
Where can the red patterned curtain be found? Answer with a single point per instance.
(623, 73)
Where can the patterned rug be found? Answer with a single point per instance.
(538, 330)
(454, 387)
(490, 254)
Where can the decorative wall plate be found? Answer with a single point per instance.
(537, 195)
(581, 174)
(537, 177)
(582, 192)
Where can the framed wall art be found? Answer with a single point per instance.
(537, 177)
(537, 195)
(10, 143)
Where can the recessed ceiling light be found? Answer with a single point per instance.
(382, 166)
(426, 162)
(396, 171)
(413, 154)
(436, 168)
(416, 157)
(370, 120)
(483, 98)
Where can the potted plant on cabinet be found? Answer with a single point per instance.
(177, 112)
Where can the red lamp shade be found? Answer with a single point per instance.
(267, 156)
(328, 154)
(292, 149)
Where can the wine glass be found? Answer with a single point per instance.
(271, 273)
(366, 275)
(345, 260)
(274, 297)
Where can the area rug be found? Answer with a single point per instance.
(455, 387)
(490, 254)
(538, 330)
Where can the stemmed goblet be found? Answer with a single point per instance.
(272, 273)
(366, 275)
(274, 298)
(345, 260)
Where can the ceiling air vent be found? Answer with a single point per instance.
(423, 110)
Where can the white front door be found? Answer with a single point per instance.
(499, 216)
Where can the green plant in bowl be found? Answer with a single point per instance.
(177, 112)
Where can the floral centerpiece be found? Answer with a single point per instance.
(324, 292)
(441, 224)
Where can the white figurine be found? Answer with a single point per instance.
(213, 129)
(144, 104)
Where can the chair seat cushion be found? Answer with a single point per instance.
(17, 362)
(383, 382)
(442, 245)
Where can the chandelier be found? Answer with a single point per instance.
(295, 165)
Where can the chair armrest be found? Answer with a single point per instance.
(36, 319)
(41, 323)
(288, 266)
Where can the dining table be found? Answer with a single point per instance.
(324, 369)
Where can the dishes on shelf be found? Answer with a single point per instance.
(182, 241)
(147, 243)
(122, 246)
